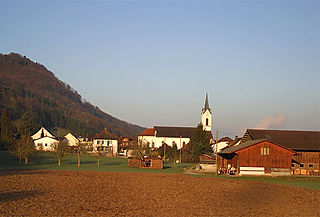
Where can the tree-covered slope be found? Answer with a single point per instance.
(28, 88)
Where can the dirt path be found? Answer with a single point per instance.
(56, 193)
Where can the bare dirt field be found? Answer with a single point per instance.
(70, 193)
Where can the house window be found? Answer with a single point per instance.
(108, 142)
(98, 142)
(207, 121)
(292, 165)
(45, 144)
(102, 142)
(310, 165)
(261, 151)
(302, 165)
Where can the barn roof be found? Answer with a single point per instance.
(243, 145)
(292, 139)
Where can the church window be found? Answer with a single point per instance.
(207, 121)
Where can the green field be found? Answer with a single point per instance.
(48, 161)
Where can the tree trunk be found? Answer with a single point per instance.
(78, 159)
(25, 160)
(98, 163)
(59, 162)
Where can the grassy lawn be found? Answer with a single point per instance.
(48, 161)
(298, 181)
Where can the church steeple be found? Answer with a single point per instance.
(206, 115)
(206, 104)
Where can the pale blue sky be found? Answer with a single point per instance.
(151, 62)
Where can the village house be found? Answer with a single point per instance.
(105, 142)
(44, 140)
(73, 141)
(221, 143)
(159, 135)
(124, 144)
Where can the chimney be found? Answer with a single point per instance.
(236, 138)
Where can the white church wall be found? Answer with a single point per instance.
(156, 142)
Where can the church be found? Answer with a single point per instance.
(158, 135)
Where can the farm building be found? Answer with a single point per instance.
(257, 157)
(207, 163)
(146, 162)
(305, 143)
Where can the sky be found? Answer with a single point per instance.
(152, 62)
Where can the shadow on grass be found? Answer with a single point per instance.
(17, 195)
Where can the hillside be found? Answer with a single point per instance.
(27, 87)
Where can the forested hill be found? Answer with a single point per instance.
(29, 89)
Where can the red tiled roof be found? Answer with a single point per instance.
(148, 132)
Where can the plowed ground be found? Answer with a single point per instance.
(70, 193)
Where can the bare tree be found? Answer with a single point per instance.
(81, 149)
(60, 149)
(99, 154)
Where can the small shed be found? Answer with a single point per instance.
(146, 162)
(207, 163)
(259, 157)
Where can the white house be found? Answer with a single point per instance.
(155, 137)
(44, 140)
(109, 145)
(221, 143)
(72, 140)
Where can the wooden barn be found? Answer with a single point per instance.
(146, 162)
(257, 157)
(305, 143)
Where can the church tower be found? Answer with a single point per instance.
(206, 116)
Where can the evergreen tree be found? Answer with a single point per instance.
(6, 129)
(200, 142)
(28, 123)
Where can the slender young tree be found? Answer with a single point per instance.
(23, 148)
(81, 149)
(60, 148)
(99, 154)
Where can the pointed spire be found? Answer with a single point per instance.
(206, 104)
